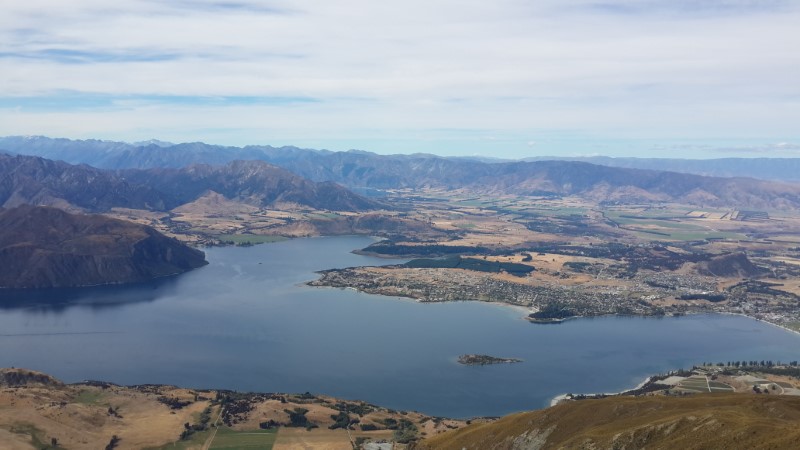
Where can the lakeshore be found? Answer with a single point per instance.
(552, 302)
(568, 396)
(781, 378)
(250, 309)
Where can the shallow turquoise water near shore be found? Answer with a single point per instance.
(247, 322)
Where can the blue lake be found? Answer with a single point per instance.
(247, 322)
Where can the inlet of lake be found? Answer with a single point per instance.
(247, 322)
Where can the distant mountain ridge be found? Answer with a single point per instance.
(44, 247)
(359, 169)
(775, 169)
(39, 181)
(155, 153)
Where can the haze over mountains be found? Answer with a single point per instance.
(155, 153)
(777, 169)
(165, 169)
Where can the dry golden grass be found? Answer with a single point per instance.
(216, 204)
(708, 421)
(78, 416)
(299, 438)
(14, 441)
(791, 286)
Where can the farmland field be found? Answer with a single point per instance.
(229, 439)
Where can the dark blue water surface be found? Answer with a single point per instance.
(246, 322)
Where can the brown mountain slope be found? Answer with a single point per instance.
(39, 181)
(730, 265)
(47, 247)
(254, 182)
(712, 421)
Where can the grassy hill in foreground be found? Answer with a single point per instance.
(39, 412)
(712, 421)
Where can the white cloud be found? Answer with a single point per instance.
(638, 68)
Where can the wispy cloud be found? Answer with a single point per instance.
(65, 101)
(686, 8)
(66, 56)
(780, 148)
(627, 69)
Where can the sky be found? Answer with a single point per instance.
(500, 78)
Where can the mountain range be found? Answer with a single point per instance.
(39, 181)
(253, 182)
(186, 170)
(155, 153)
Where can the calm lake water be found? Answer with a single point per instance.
(246, 322)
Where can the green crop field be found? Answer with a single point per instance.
(694, 384)
(196, 440)
(555, 211)
(89, 397)
(233, 440)
(718, 386)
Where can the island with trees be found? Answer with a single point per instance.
(484, 360)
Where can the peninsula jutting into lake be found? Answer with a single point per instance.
(252, 301)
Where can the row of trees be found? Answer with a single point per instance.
(762, 363)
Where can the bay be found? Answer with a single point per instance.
(247, 322)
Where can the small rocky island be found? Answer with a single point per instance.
(483, 360)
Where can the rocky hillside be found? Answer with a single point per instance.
(729, 421)
(24, 377)
(39, 181)
(42, 247)
(730, 265)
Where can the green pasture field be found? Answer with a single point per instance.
(196, 440)
(229, 439)
(718, 386)
(88, 397)
(555, 211)
(687, 236)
